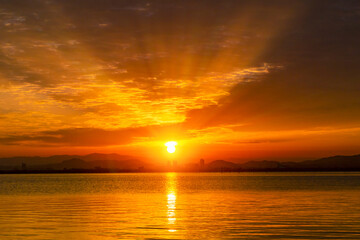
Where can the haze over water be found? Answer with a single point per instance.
(180, 206)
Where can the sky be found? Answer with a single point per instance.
(239, 80)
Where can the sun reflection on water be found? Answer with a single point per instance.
(171, 200)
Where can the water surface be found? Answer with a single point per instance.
(180, 206)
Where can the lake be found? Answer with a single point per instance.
(180, 206)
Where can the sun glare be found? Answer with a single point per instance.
(171, 146)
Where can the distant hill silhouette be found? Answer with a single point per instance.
(72, 163)
(115, 162)
(90, 161)
(335, 163)
(221, 164)
(260, 165)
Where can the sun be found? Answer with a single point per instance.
(171, 146)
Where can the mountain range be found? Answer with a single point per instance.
(118, 162)
(334, 163)
(59, 162)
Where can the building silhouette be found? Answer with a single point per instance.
(23, 166)
(172, 164)
(202, 163)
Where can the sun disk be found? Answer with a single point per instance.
(171, 146)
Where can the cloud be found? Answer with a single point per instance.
(118, 69)
(291, 98)
(317, 85)
(96, 136)
(74, 137)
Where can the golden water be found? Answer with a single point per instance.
(180, 206)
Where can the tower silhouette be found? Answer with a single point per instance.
(202, 163)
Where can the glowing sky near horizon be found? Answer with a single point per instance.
(229, 79)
